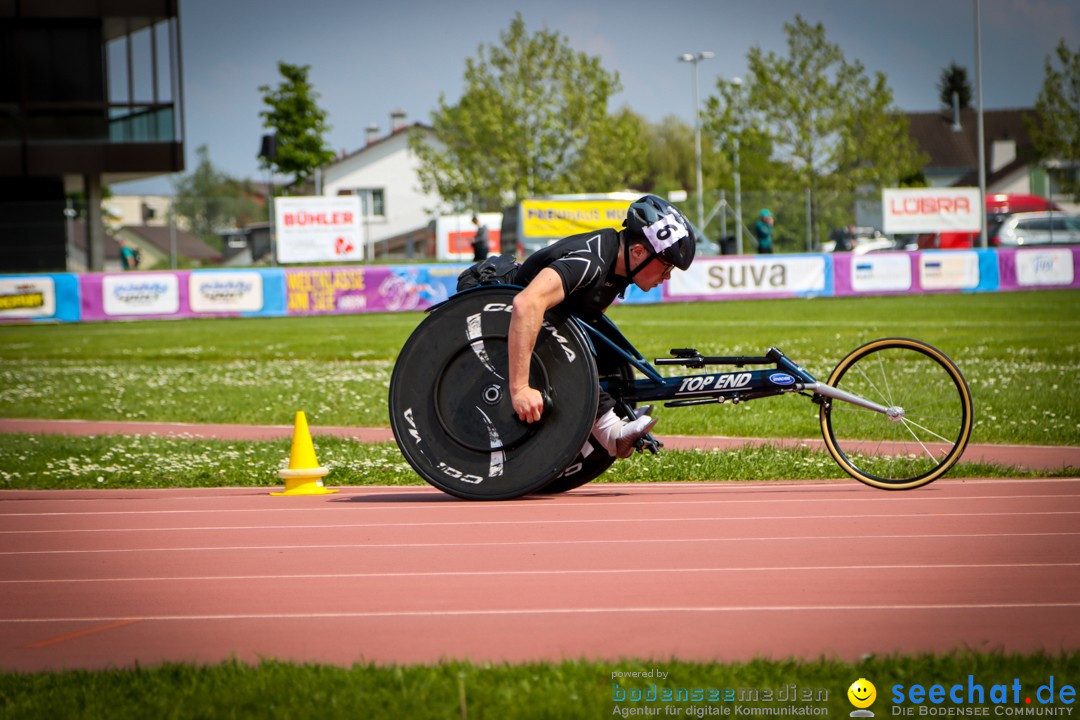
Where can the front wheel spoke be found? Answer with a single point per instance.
(884, 398)
(884, 378)
(925, 449)
(908, 422)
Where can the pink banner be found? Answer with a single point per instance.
(331, 290)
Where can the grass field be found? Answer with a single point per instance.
(545, 691)
(1020, 353)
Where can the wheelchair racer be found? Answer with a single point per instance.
(583, 274)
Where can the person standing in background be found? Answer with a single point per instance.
(763, 230)
(129, 257)
(480, 240)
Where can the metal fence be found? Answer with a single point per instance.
(803, 221)
(173, 233)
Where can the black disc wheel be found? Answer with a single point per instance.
(450, 406)
(927, 425)
(593, 459)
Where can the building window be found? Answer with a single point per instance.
(372, 203)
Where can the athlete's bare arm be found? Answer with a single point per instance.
(543, 293)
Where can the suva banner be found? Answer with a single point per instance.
(730, 277)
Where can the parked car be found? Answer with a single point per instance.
(1034, 228)
(998, 205)
(859, 240)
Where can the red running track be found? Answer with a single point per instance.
(92, 579)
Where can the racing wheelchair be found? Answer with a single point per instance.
(895, 413)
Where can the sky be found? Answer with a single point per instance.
(368, 58)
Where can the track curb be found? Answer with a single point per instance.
(1029, 457)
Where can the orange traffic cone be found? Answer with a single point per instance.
(304, 476)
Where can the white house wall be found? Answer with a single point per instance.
(390, 165)
(1018, 182)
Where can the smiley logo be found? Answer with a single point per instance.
(862, 693)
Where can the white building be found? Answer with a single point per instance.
(384, 174)
(153, 210)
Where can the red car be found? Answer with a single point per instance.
(998, 205)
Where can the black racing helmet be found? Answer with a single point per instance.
(666, 230)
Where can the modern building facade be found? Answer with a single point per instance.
(90, 94)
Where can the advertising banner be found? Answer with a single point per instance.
(919, 210)
(319, 229)
(454, 235)
(350, 289)
(314, 291)
(32, 296)
(559, 218)
(1029, 268)
(135, 294)
(219, 291)
(958, 270)
(752, 276)
(39, 298)
(181, 294)
(873, 273)
(417, 287)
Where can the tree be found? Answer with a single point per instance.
(835, 128)
(532, 120)
(298, 122)
(1056, 127)
(730, 127)
(212, 201)
(954, 79)
(670, 156)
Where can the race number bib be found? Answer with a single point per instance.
(665, 232)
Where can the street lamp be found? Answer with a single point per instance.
(737, 82)
(695, 58)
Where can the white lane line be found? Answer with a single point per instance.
(586, 521)
(510, 573)
(519, 505)
(664, 488)
(554, 611)
(861, 538)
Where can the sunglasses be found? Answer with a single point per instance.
(668, 267)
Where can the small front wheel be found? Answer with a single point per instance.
(928, 429)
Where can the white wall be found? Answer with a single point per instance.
(123, 210)
(390, 165)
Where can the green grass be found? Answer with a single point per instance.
(1019, 351)
(50, 462)
(564, 690)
